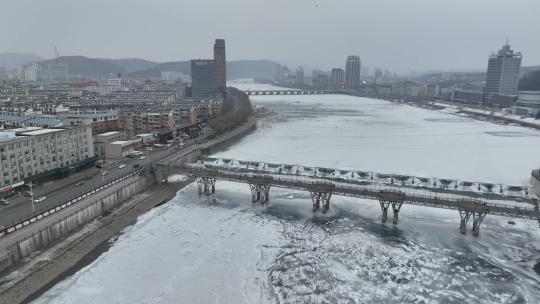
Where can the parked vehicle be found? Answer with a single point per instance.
(79, 184)
(136, 165)
(104, 173)
(4, 201)
(142, 157)
(122, 166)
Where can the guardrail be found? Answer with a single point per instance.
(36, 217)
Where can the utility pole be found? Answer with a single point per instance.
(102, 172)
(32, 198)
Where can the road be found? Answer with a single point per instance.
(62, 190)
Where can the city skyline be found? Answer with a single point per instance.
(427, 42)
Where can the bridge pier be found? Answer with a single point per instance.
(465, 215)
(396, 206)
(391, 198)
(260, 192)
(477, 211)
(206, 185)
(384, 209)
(478, 217)
(319, 196)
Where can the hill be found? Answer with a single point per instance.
(235, 69)
(132, 64)
(11, 60)
(84, 66)
(155, 72)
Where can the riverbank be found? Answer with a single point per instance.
(41, 270)
(36, 278)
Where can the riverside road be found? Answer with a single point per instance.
(62, 190)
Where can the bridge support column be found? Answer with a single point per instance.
(206, 185)
(396, 206)
(465, 215)
(260, 192)
(317, 197)
(396, 199)
(384, 208)
(478, 217)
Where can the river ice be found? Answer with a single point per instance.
(223, 249)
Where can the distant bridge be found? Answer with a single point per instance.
(389, 189)
(288, 92)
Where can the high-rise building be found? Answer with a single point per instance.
(337, 78)
(502, 73)
(203, 78)
(221, 65)
(378, 74)
(299, 76)
(352, 73)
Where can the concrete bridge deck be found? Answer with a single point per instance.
(288, 92)
(321, 189)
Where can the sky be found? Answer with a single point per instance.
(400, 35)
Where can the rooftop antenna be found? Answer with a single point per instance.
(56, 54)
(507, 40)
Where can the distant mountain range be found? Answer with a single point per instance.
(235, 69)
(11, 60)
(140, 68)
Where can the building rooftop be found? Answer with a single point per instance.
(121, 142)
(41, 132)
(108, 133)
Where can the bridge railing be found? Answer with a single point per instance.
(445, 200)
(433, 183)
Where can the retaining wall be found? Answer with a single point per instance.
(22, 243)
(535, 181)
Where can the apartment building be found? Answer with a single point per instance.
(33, 152)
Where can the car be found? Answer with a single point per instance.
(40, 199)
(104, 173)
(136, 165)
(79, 184)
(4, 201)
(122, 166)
(142, 157)
(149, 149)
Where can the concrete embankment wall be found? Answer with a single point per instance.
(502, 118)
(40, 234)
(535, 181)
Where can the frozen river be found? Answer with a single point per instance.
(221, 249)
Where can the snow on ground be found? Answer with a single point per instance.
(223, 249)
(177, 178)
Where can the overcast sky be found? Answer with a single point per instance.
(401, 35)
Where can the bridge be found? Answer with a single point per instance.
(473, 200)
(288, 92)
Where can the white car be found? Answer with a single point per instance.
(142, 157)
(40, 199)
(122, 166)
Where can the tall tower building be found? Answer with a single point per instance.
(221, 65)
(203, 78)
(352, 73)
(502, 73)
(337, 77)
